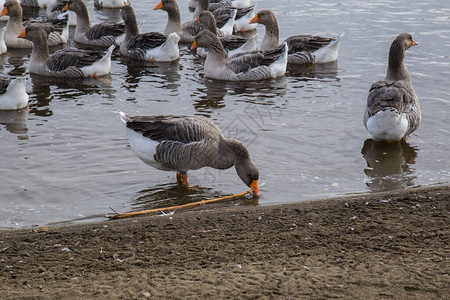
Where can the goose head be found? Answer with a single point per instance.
(11, 8)
(265, 17)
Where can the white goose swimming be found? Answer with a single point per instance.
(151, 46)
(13, 94)
(393, 110)
(67, 62)
(183, 143)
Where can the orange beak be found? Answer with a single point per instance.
(66, 8)
(194, 45)
(4, 11)
(159, 6)
(197, 20)
(23, 35)
(415, 43)
(254, 20)
(254, 186)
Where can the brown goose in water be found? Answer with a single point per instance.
(150, 46)
(15, 26)
(102, 34)
(186, 31)
(67, 62)
(249, 67)
(183, 143)
(233, 44)
(393, 110)
(303, 49)
(241, 15)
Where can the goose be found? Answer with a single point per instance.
(152, 46)
(14, 27)
(54, 11)
(240, 16)
(67, 62)
(13, 94)
(183, 143)
(229, 3)
(303, 49)
(102, 34)
(186, 31)
(233, 44)
(393, 110)
(3, 47)
(257, 66)
(110, 3)
(35, 3)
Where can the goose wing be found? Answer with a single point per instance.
(192, 27)
(244, 62)
(147, 40)
(185, 142)
(71, 57)
(232, 41)
(391, 94)
(307, 43)
(224, 13)
(105, 29)
(4, 83)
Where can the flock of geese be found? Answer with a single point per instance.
(183, 143)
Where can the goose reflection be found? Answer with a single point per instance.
(167, 195)
(389, 165)
(15, 121)
(45, 89)
(319, 71)
(165, 73)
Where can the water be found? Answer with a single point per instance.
(66, 158)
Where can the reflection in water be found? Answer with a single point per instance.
(389, 165)
(165, 72)
(15, 121)
(319, 71)
(172, 194)
(67, 89)
(210, 97)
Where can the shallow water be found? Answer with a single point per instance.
(67, 158)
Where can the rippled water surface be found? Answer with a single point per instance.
(67, 158)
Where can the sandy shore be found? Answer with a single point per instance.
(387, 245)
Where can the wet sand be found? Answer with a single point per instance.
(386, 245)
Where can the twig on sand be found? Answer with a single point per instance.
(117, 215)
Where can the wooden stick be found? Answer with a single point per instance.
(156, 210)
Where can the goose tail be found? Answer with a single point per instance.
(124, 117)
(330, 52)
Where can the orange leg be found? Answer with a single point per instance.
(182, 179)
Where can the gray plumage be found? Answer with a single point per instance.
(301, 47)
(221, 13)
(102, 34)
(188, 143)
(66, 62)
(15, 26)
(246, 67)
(395, 93)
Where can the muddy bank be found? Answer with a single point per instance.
(387, 245)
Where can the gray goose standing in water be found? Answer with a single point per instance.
(151, 46)
(232, 44)
(67, 62)
(257, 66)
(303, 49)
(183, 143)
(14, 27)
(393, 110)
(102, 34)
